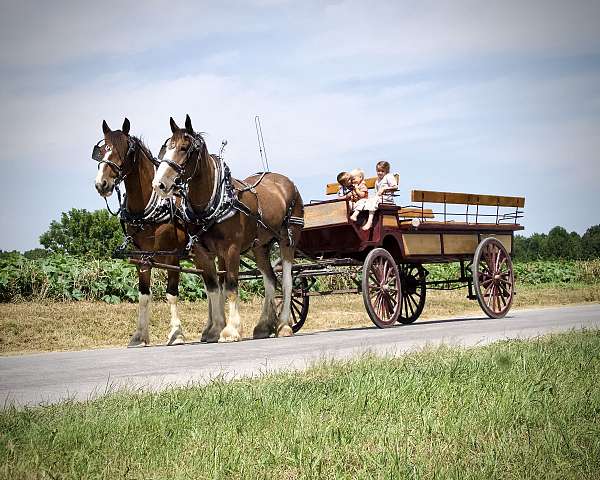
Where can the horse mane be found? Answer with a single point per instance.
(143, 147)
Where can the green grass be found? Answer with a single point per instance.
(513, 409)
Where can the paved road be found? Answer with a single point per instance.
(52, 377)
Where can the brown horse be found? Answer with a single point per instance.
(123, 157)
(226, 218)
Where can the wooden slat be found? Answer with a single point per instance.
(460, 243)
(321, 214)
(466, 198)
(506, 240)
(333, 188)
(421, 244)
(411, 212)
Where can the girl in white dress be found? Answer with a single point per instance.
(385, 185)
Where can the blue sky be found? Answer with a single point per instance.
(468, 96)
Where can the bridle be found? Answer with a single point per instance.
(99, 151)
(197, 144)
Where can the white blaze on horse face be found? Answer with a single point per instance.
(164, 176)
(103, 175)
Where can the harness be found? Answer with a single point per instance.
(158, 210)
(224, 202)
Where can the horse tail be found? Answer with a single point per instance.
(294, 219)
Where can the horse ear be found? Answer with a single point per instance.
(174, 126)
(188, 124)
(126, 126)
(105, 128)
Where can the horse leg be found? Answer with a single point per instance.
(176, 336)
(284, 329)
(216, 310)
(287, 249)
(266, 324)
(232, 330)
(141, 336)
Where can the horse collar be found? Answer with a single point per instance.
(221, 205)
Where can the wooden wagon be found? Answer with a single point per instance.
(386, 263)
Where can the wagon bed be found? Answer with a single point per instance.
(477, 231)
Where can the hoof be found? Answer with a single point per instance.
(137, 341)
(209, 337)
(285, 331)
(176, 337)
(229, 334)
(260, 332)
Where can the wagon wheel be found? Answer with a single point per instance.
(413, 279)
(299, 305)
(381, 288)
(493, 278)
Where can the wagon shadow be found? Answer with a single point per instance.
(411, 325)
(347, 329)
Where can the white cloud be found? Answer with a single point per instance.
(48, 33)
(412, 35)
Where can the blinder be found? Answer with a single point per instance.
(97, 152)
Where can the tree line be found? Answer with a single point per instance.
(96, 234)
(558, 244)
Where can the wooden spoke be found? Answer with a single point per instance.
(299, 304)
(493, 278)
(381, 285)
(413, 278)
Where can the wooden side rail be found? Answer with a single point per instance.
(333, 188)
(425, 196)
(415, 212)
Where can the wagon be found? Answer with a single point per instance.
(387, 264)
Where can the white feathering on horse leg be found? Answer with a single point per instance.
(176, 335)
(232, 332)
(141, 337)
(217, 321)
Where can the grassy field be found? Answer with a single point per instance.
(511, 410)
(50, 326)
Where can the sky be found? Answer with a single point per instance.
(464, 96)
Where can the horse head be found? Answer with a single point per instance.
(114, 155)
(179, 157)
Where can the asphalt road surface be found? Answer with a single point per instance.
(53, 377)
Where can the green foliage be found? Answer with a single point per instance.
(558, 244)
(79, 232)
(36, 253)
(534, 272)
(591, 242)
(63, 277)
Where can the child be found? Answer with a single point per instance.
(346, 187)
(360, 188)
(384, 186)
(385, 183)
